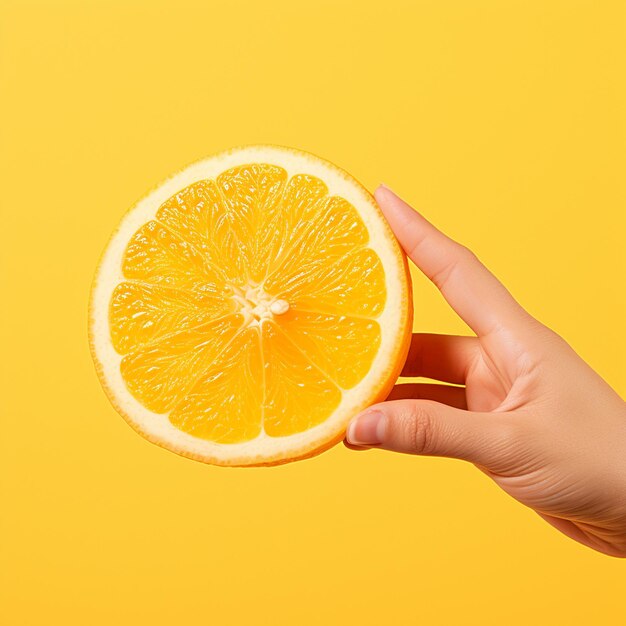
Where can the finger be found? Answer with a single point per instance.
(452, 396)
(428, 428)
(441, 357)
(469, 287)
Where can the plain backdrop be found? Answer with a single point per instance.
(504, 122)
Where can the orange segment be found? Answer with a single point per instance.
(161, 374)
(300, 209)
(342, 347)
(252, 196)
(321, 230)
(297, 394)
(301, 201)
(157, 255)
(141, 313)
(350, 285)
(197, 215)
(225, 405)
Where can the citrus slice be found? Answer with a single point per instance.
(249, 306)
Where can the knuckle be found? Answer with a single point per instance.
(441, 277)
(546, 336)
(462, 257)
(466, 255)
(420, 430)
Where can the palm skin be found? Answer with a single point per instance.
(531, 413)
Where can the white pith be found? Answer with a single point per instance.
(256, 306)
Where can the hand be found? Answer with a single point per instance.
(532, 414)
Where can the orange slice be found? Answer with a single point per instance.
(249, 306)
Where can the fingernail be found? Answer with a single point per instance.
(386, 187)
(367, 429)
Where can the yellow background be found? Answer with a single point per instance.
(502, 120)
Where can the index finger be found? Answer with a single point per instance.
(479, 298)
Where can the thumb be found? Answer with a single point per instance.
(429, 428)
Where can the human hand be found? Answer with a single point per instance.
(532, 414)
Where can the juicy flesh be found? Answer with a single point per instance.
(249, 304)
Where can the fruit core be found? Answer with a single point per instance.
(256, 305)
